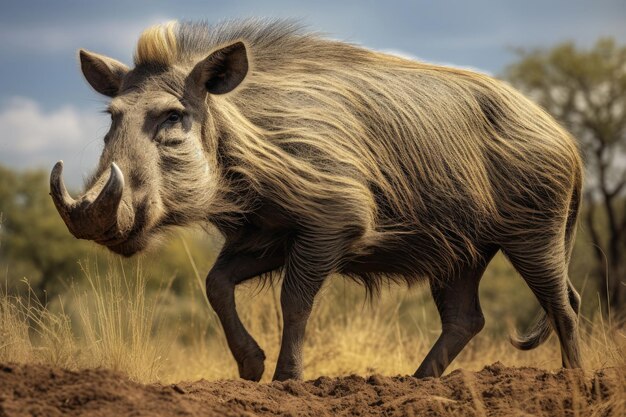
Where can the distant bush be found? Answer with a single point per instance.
(35, 243)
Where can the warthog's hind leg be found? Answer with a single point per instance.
(461, 317)
(547, 278)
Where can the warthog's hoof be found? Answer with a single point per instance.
(291, 372)
(252, 367)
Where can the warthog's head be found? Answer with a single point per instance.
(159, 166)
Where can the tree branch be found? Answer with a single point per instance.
(619, 186)
(593, 231)
(624, 219)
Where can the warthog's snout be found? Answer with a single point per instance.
(99, 215)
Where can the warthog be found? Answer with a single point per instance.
(313, 156)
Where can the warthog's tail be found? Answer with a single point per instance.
(542, 328)
(539, 333)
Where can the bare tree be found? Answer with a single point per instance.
(586, 90)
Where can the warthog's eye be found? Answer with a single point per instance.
(166, 132)
(174, 117)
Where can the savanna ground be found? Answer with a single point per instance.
(119, 341)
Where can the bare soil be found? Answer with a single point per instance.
(32, 390)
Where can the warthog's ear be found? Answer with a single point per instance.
(104, 74)
(223, 70)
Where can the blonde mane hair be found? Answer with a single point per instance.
(157, 44)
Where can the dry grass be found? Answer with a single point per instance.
(363, 339)
(120, 322)
(119, 325)
(109, 323)
(30, 333)
(113, 322)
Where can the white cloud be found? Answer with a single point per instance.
(33, 138)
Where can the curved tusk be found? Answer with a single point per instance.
(107, 202)
(62, 199)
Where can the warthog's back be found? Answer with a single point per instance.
(399, 144)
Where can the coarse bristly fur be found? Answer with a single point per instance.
(369, 164)
(440, 158)
(403, 147)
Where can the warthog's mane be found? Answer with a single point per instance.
(175, 42)
(352, 141)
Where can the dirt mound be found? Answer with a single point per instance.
(29, 390)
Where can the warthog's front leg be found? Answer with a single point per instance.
(296, 308)
(228, 271)
(304, 276)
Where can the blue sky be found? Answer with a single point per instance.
(48, 112)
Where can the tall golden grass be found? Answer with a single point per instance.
(110, 323)
(113, 321)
